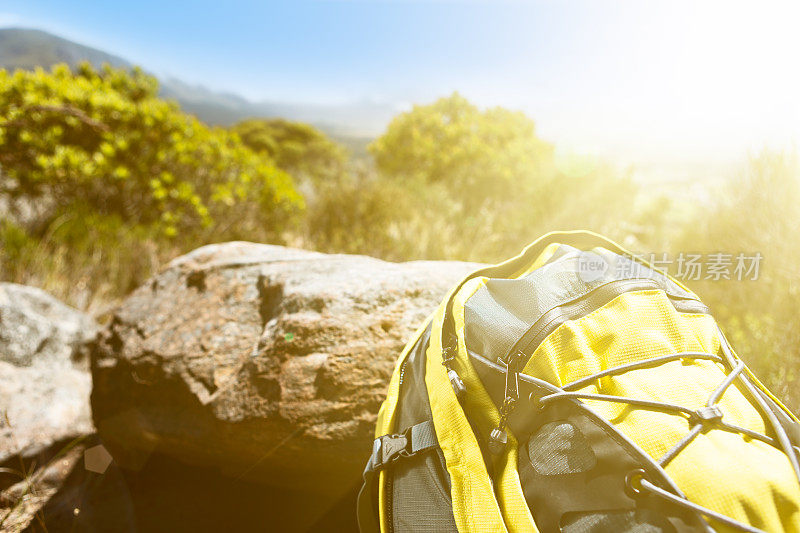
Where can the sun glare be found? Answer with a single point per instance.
(682, 85)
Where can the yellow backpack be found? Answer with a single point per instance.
(573, 388)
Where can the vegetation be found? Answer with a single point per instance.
(757, 213)
(300, 149)
(452, 181)
(101, 182)
(96, 170)
(479, 155)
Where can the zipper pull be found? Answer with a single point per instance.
(448, 355)
(498, 438)
(457, 383)
(512, 376)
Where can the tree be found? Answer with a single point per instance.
(300, 149)
(485, 184)
(477, 154)
(101, 142)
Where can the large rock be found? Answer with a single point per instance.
(45, 384)
(266, 364)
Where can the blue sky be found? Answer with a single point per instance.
(635, 81)
(320, 50)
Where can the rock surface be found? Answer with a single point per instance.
(44, 399)
(44, 378)
(265, 363)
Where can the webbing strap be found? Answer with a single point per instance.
(387, 449)
(423, 437)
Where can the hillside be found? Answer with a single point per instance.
(26, 49)
(350, 123)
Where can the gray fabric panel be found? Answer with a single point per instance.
(640, 521)
(500, 312)
(420, 485)
(560, 448)
(420, 503)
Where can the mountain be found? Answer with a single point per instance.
(26, 49)
(351, 123)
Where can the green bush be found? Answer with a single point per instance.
(471, 184)
(478, 154)
(103, 140)
(101, 181)
(300, 149)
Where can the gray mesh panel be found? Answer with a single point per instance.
(639, 521)
(419, 500)
(560, 448)
(420, 484)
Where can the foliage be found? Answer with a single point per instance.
(757, 213)
(361, 214)
(103, 142)
(101, 182)
(477, 154)
(478, 185)
(85, 260)
(300, 149)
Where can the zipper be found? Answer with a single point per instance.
(594, 299)
(499, 437)
(389, 472)
(403, 371)
(449, 353)
(523, 349)
(389, 496)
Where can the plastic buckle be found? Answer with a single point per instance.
(392, 447)
(708, 414)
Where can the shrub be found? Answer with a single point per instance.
(104, 141)
(478, 155)
(483, 184)
(757, 213)
(300, 149)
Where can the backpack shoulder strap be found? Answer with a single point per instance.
(387, 449)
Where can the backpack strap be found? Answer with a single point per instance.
(387, 449)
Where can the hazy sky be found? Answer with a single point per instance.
(636, 81)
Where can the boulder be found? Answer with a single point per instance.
(262, 363)
(44, 398)
(44, 378)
